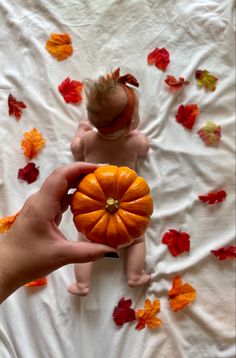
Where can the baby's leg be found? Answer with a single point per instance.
(83, 274)
(135, 261)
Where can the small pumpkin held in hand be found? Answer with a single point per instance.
(112, 206)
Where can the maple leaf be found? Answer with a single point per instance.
(159, 57)
(38, 282)
(32, 143)
(214, 197)
(59, 46)
(225, 253)
(71, 90)
(180, 295)
(15, 107)
(175, 84)
(206, 79)
(187, 115)
(7, 222)
(147, 316)
(177, 241)
(29, 173)
(210, 133)
(123, 313)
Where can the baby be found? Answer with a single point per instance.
(112, 108)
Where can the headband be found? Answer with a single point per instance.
(127, 112)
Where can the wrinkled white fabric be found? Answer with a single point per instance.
(47, 322)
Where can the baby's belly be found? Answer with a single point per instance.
(110, 161)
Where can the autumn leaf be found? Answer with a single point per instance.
(175, 84)
(213, 198)
(177, 241)
(71, 90)
(187, 115)
(15, 107)
(159, 57)
(59, 46)
(206, 79)
(32, 143)
(180, 295)
(123, 313)
(29, 173)
(225, 253)
(147, 316)
(210, 133)
(38, 282)
(7, 222)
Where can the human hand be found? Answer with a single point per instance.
(35, 246)
(85, 126)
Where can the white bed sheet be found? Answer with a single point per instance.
(48, 322)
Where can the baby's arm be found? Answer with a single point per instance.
(76, 143)
(141, 141)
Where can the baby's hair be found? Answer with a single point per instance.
(98, 93)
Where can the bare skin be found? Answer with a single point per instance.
(35, 246)
(121, 148)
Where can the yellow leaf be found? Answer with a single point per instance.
(180, 295)
(32, 143)
(147, 316)
(59, 46)
(7, 222)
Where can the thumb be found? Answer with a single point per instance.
(80, 252)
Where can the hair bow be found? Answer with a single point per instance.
(124, 80)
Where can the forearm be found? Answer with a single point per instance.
(8, 281)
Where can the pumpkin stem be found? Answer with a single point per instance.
(112, 205)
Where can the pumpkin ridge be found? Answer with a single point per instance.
(138, 216)
(101, 180)
(91, 194)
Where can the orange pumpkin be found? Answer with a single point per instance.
(112, 206)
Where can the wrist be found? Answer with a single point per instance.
(8, 278)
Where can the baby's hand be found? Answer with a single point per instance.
(85, 126)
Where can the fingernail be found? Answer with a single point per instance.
(112, 254)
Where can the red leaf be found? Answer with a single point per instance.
(38, 282)
(71, 90)
(187, 115)
(123, 313)
(15, 107)
(177, 241)
(176, 84)
(225, 253)
(159, 57)
(29, 173)
(213, 198)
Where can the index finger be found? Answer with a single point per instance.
(60, 181)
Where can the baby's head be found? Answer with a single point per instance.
(112, 106)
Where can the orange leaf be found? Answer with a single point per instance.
(32, 143)
(38, 282)
(7, 222)
(180, 295)
(59, 46)
(147, 316)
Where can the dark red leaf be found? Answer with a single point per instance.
(213, 198)
(225, 253)
(177, 241)
(29, 173)
(15, 107)
(71, 90)
(187, 115)
(123, 313)
(175, 84)
(159, 57)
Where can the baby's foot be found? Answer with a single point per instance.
(78, 289)
(138, 280)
